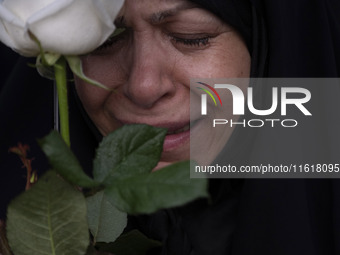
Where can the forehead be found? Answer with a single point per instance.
(154, 10)
(151, 4)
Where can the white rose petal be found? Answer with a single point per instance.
(23, 9)
(12, 32)
(4, 36)
(67, 27)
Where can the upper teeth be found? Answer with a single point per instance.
(185, 128)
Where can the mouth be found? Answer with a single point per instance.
(180, 130)
(177, 136)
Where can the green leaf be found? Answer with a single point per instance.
(51, 58)
(74, 63)
(146, 193)
(49, 219)
(127, 151)
(105, 221)
(4, 248)
(45, 64)
(45, 58)
(118, 31)
(132, 243)
(63, 160)
(44, 70)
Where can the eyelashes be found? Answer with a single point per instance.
(107, 44)
(115, 37)
(197, 41)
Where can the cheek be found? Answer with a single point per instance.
(95, 68)
(231, 58)
(92, 98)
(227, 57)
(101, 68)
(106, 69)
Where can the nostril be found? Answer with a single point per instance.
(148, 81)
(147, 86)
(146, 96)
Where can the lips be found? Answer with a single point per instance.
(180, 130)
(179, 137)
(176, 138)
(178, 133)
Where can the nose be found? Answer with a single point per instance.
(149, 73)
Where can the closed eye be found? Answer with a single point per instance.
(196, 42)
(117, 35)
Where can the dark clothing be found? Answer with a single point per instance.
(286, 38)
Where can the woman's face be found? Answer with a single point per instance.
(150, 64)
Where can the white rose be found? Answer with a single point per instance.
(67, 27)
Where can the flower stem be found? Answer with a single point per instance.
(61, 81)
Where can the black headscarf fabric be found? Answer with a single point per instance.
(237, 13)
(242, 15)
(303, 37)
(275, 216)
(286, 38)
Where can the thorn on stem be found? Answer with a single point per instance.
(21, 151)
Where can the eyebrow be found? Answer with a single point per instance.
(159, 17)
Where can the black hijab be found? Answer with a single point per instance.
(286, 38)
(207, 227)
(285, 216)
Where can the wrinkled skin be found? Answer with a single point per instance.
(149, 66)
